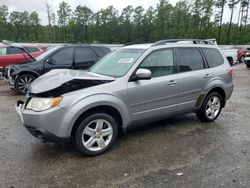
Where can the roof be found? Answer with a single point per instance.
(174, 42)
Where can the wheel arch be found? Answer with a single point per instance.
(110, 110)
(217, 89)
(27, 72)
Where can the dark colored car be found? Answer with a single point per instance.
(69, 57)
(10, 55)
(247, 60)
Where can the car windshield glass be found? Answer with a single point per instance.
(46, 54)
(117, 63)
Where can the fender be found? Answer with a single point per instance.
(24, 70)
(214, 83)
(78, 107)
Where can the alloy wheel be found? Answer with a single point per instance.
(97, 135)
(213, 107)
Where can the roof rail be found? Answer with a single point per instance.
(194, 41)
(138, 42)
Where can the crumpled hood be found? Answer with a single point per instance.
(59, 81)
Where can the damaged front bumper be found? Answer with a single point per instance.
(44, 125)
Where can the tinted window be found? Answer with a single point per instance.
(32, 49)
(189, 59)
(101, 51)
(14, 50)
(160, 63)
(84, 54)
(3, 51)
(63, 56)
(213, 57)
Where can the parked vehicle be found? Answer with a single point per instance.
(130, 86)
(241, 53)
(231, 55)
(70, 57)
(10, 55)
(247, 60)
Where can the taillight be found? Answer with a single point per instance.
(230, 72)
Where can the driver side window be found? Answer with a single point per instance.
(160, 62)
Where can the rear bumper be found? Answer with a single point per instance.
(247, 60)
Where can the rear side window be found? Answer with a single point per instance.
(32, 49)
(14, 50)
(83, 54)
(189, 59)
(213, 57)
(63, 55)
(101, 51)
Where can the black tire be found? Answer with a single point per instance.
(79, 136)
(248, 66)
(22, 82)
(230, 61)
(202, 115)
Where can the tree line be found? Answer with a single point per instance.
(200, 19)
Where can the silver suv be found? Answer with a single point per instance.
(133, 85)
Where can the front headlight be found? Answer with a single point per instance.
(39, 104)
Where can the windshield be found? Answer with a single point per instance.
(117, 63)
(44, 55)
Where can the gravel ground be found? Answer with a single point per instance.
(177, 152)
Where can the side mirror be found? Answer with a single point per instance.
(143, 74)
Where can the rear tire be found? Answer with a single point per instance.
(248, 66)
(96, 134)
(22, 83)
(210, 108)
(230, 60)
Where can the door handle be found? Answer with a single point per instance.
(207, 76)
(172, 82)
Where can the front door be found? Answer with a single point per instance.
(155, 97)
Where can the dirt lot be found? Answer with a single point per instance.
(209, 155)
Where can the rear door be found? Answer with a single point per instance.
(62, 59)
(193, 76)
(85, 57)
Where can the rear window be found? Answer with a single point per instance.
(32, 49)
(213, 57)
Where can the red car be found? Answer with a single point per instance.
(13, 55)
(242, 52)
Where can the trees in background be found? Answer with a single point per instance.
(199, 19)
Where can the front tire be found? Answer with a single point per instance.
(22, 83)
(96, 134)
(211, 108)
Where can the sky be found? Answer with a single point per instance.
(95, 5)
